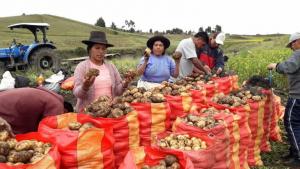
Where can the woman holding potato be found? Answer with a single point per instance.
(156, 66)
(95, 77)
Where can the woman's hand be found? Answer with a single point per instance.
(147, 54)
(88, 81)
(5, 126)
(207, 69)
(219, 70)
(127, 81)
(177, 56)
(272, 66)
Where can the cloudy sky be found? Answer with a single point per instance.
(235, 16)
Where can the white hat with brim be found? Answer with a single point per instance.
(293, 37)
(220, 38)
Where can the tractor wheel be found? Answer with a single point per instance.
(44, 59)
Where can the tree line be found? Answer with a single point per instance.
(129, 26)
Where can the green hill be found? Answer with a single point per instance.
(67, 35)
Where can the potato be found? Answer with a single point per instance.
(3, 159)
(24, 145)
(147, 94)
(137, 95)
(20, 156)
(4, 135)
(39, 150)
(92, 72)
(117, 113)
(74, 125)
(162, 163)
(129, 99)
(36, 157)
(4, 148)
(175, 165)
(256, 98)
(146, 167)
(157, 98)
(133, 91)
(170, 159)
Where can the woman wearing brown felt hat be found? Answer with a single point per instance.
(105, 82)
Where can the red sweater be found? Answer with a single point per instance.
(24, 108)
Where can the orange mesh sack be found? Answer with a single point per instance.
(90, 148)
(244, 133)
(179, 105)
(219, 134)
(255, 113)
(278, 111)
(227, 84)
(238, 132)
(151, 156)
(125, 133)
(154, 118)
(201, 159)
(198, 96)
(49, 161)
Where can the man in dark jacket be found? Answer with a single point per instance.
(291, 67)
(211, 55)
(24, 108)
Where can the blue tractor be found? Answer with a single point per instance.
(40, 55)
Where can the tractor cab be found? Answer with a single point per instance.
(34, 28)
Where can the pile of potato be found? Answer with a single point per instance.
(104, 107)
(229, 100)
(13, 152)
(204, 123)
(195, 79)
(80, 127)
(182, 142)
(237, 98)
(170, 162)
(213, 111)
(174, 89)
(140, 95)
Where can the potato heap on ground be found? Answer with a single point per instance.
(182, 142)
(103, 107)
(238, 98)
(22, 152)
(170, 162)
(204, 123)
(134, 95)
(80, 127)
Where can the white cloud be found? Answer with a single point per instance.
(235, 16)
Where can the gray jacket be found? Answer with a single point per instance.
(291, 67)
